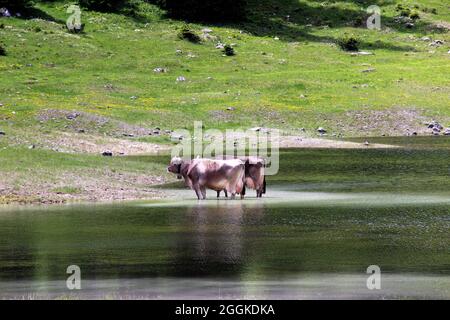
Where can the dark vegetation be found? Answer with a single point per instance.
(2, 50)
(229, 50)
(348, 43)
(187, 34)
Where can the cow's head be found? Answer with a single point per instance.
(175, 166)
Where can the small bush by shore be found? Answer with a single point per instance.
(349, 43)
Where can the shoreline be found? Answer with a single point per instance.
(105, 185)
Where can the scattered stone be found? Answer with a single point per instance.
(425, 39)
(435, 125)
(409, 25)
(447, 132)
(276, 38)
(2, 133)
(231, 108)
(133, 97)
(436, 43)
(366, 143)
(181, 79)
(436, 129)
(160, 70)
(302, 129)
(81, 131)
(206, 30)
(167, 131)
(361, 53)
(256, 129)
(414, 133)
(72, 116)
(321, 130)
(369, 70)
(302, 96)
(178, 51)
(107, 153)
(32, 147)
(1, 104)
(128, 135)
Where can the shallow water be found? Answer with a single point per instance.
(309, 238)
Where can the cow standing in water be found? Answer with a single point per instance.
(217, 175)
(254, 175)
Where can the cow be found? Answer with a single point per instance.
(254, 175)
(217, 175)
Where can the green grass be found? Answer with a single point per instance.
(48, 68)
(68, 190)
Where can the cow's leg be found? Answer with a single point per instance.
(203, 190)
(197, 191)
(226, 193)
(243, 192)
(218, 194)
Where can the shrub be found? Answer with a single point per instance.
(198, 10)
(2, 51)
(187, 34)
(228, 50)
(405, 12)
(414, 15)
(348, 43)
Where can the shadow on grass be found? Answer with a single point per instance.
(36, 13)
(293, 20)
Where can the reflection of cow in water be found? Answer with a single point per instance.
(217, 175)
(215, 241)
(254, 175)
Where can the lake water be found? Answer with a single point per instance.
(326, 217)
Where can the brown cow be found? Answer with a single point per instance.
(200, 174)
(254, 175)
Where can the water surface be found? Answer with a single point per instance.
(327, 216)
